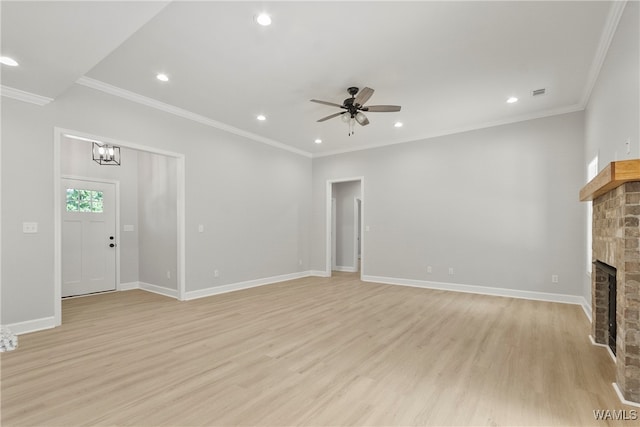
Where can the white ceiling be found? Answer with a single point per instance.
(450, 65)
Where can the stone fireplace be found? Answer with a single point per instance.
(616, 250)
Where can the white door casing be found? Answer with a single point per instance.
(334, 235)
(88, 237)
(356, 233)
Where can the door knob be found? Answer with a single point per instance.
(112, 245)
(111, 237)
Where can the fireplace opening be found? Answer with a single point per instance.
(610, 275)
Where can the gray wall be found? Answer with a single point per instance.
(157, 220)
(76, 160)
(344, 193)
(253, 199)
(612, 115)
(499, 205)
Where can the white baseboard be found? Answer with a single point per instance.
(621, 397)
(346, 269)
(593, 342)
(173, 293)
(318, 273)
(34, 325)
(586, 307)
(128, 286)
(483, 290)
(201, 293)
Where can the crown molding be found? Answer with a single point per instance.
(185, 114)
(610, 27)
(24, 96)
(522, 118)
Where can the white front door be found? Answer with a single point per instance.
(88, 237)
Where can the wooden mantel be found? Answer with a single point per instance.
(614, 175)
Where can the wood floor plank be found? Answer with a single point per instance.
(313, 351)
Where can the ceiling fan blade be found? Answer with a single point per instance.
(331, 116)
(363, 96)
(327, 103)
(362, 119)
(381, 108)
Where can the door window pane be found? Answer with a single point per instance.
(79, 200)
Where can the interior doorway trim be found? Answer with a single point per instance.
(58, 134)
(328, 216)
(357, 225)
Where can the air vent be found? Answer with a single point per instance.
(538, 92)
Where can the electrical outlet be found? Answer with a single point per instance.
(450, 271)
(29, 227)
(554, 278)
(300, 262)
(216, 273)
(168, 274)
(429, 269)
(627, 144)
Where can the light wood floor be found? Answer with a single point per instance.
(311, 351)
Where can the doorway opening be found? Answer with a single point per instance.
(155, 172)
(344, 226)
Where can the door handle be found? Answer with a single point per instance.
(112, 245)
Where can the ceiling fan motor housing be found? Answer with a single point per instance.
(350, 106)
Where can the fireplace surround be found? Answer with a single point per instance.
(616, 246)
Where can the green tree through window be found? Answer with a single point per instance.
(84, 200)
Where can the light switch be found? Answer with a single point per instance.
(128, 227)
(366, 228)
(201, 228)
(29, 227)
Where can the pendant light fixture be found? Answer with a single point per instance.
(105, 154)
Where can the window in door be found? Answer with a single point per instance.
(79, 200)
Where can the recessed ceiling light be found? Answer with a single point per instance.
(162, 77)
(263, 19)
(512, 100)
(397, 124)
(261, 118)
(318, 141)
(8, 61)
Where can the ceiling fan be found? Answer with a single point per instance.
(354, 107)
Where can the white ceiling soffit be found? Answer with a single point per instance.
(450, 65)
(57, 42)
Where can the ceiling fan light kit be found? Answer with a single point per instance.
(354, 108)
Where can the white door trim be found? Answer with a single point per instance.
(58, 133)
(356, 218)
(334, 234)
(328, 215)
(117, 204)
